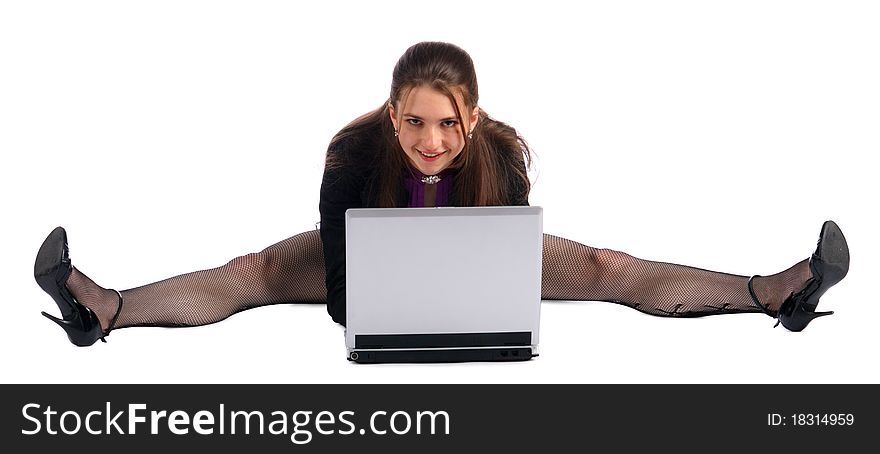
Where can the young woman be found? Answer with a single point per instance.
(430, 144)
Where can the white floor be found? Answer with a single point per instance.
(715, 137)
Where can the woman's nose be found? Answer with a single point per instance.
(431, 139)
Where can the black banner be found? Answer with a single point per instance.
(434, 418)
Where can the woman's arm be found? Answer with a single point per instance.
(340, 190)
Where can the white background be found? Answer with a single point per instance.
(172, 136)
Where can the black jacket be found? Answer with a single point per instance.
(350, 187)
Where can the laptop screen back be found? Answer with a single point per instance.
(423, 271)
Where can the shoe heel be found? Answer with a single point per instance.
(800, 319)
(74, 328)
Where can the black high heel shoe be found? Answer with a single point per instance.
(829, 264)
(51, 270)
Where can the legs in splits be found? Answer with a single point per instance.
(292, 271)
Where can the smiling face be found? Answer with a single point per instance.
(429, 131)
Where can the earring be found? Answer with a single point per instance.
(471, 135)
(395, 133)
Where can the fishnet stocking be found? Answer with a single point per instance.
(572, 271)
(292, 271)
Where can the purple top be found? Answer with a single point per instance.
(418, 190)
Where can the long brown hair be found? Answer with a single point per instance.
(489, 161)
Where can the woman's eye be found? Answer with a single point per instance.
(414, 122)
(450, 123)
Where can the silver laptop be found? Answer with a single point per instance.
(443, 284)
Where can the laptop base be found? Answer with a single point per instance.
(442, 355)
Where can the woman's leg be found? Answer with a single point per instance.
(291, 271)
(573, 271)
